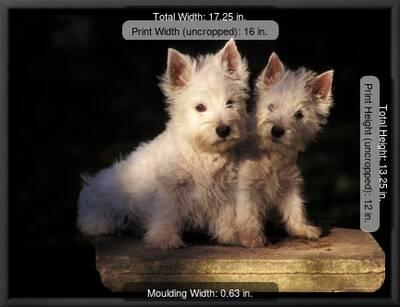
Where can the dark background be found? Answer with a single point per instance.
(81, 97)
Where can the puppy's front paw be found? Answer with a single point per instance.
(171, 242)
(253, 240)
(308, 232)
(312, 232)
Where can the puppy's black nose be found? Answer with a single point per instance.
(223, 131)
(277, 131)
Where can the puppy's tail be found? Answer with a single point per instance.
(86, 178)
(97, 210)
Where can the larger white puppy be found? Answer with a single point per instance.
(185, 177)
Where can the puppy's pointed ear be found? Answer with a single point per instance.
(274, 70)
(321, 92)
(321, 86)
(230, 58)
(178, 69)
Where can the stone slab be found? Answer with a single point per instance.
(343, 260)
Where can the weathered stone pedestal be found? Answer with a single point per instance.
(344, 260)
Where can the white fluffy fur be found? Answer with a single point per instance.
(185, 177)
(268, 174)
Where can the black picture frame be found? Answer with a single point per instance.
(7, 5)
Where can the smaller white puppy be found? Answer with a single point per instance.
(290, 108)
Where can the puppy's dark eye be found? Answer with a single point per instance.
(298, 115)
(229, 103)
(200, 107)
(271, 107)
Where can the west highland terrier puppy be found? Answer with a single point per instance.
(186, 177)
(290, 108)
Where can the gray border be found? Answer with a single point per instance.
(5, 5)
(196, 3)
(3, 154)
(395, 71)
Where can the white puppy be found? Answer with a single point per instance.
(186, 177)
(290, 108)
